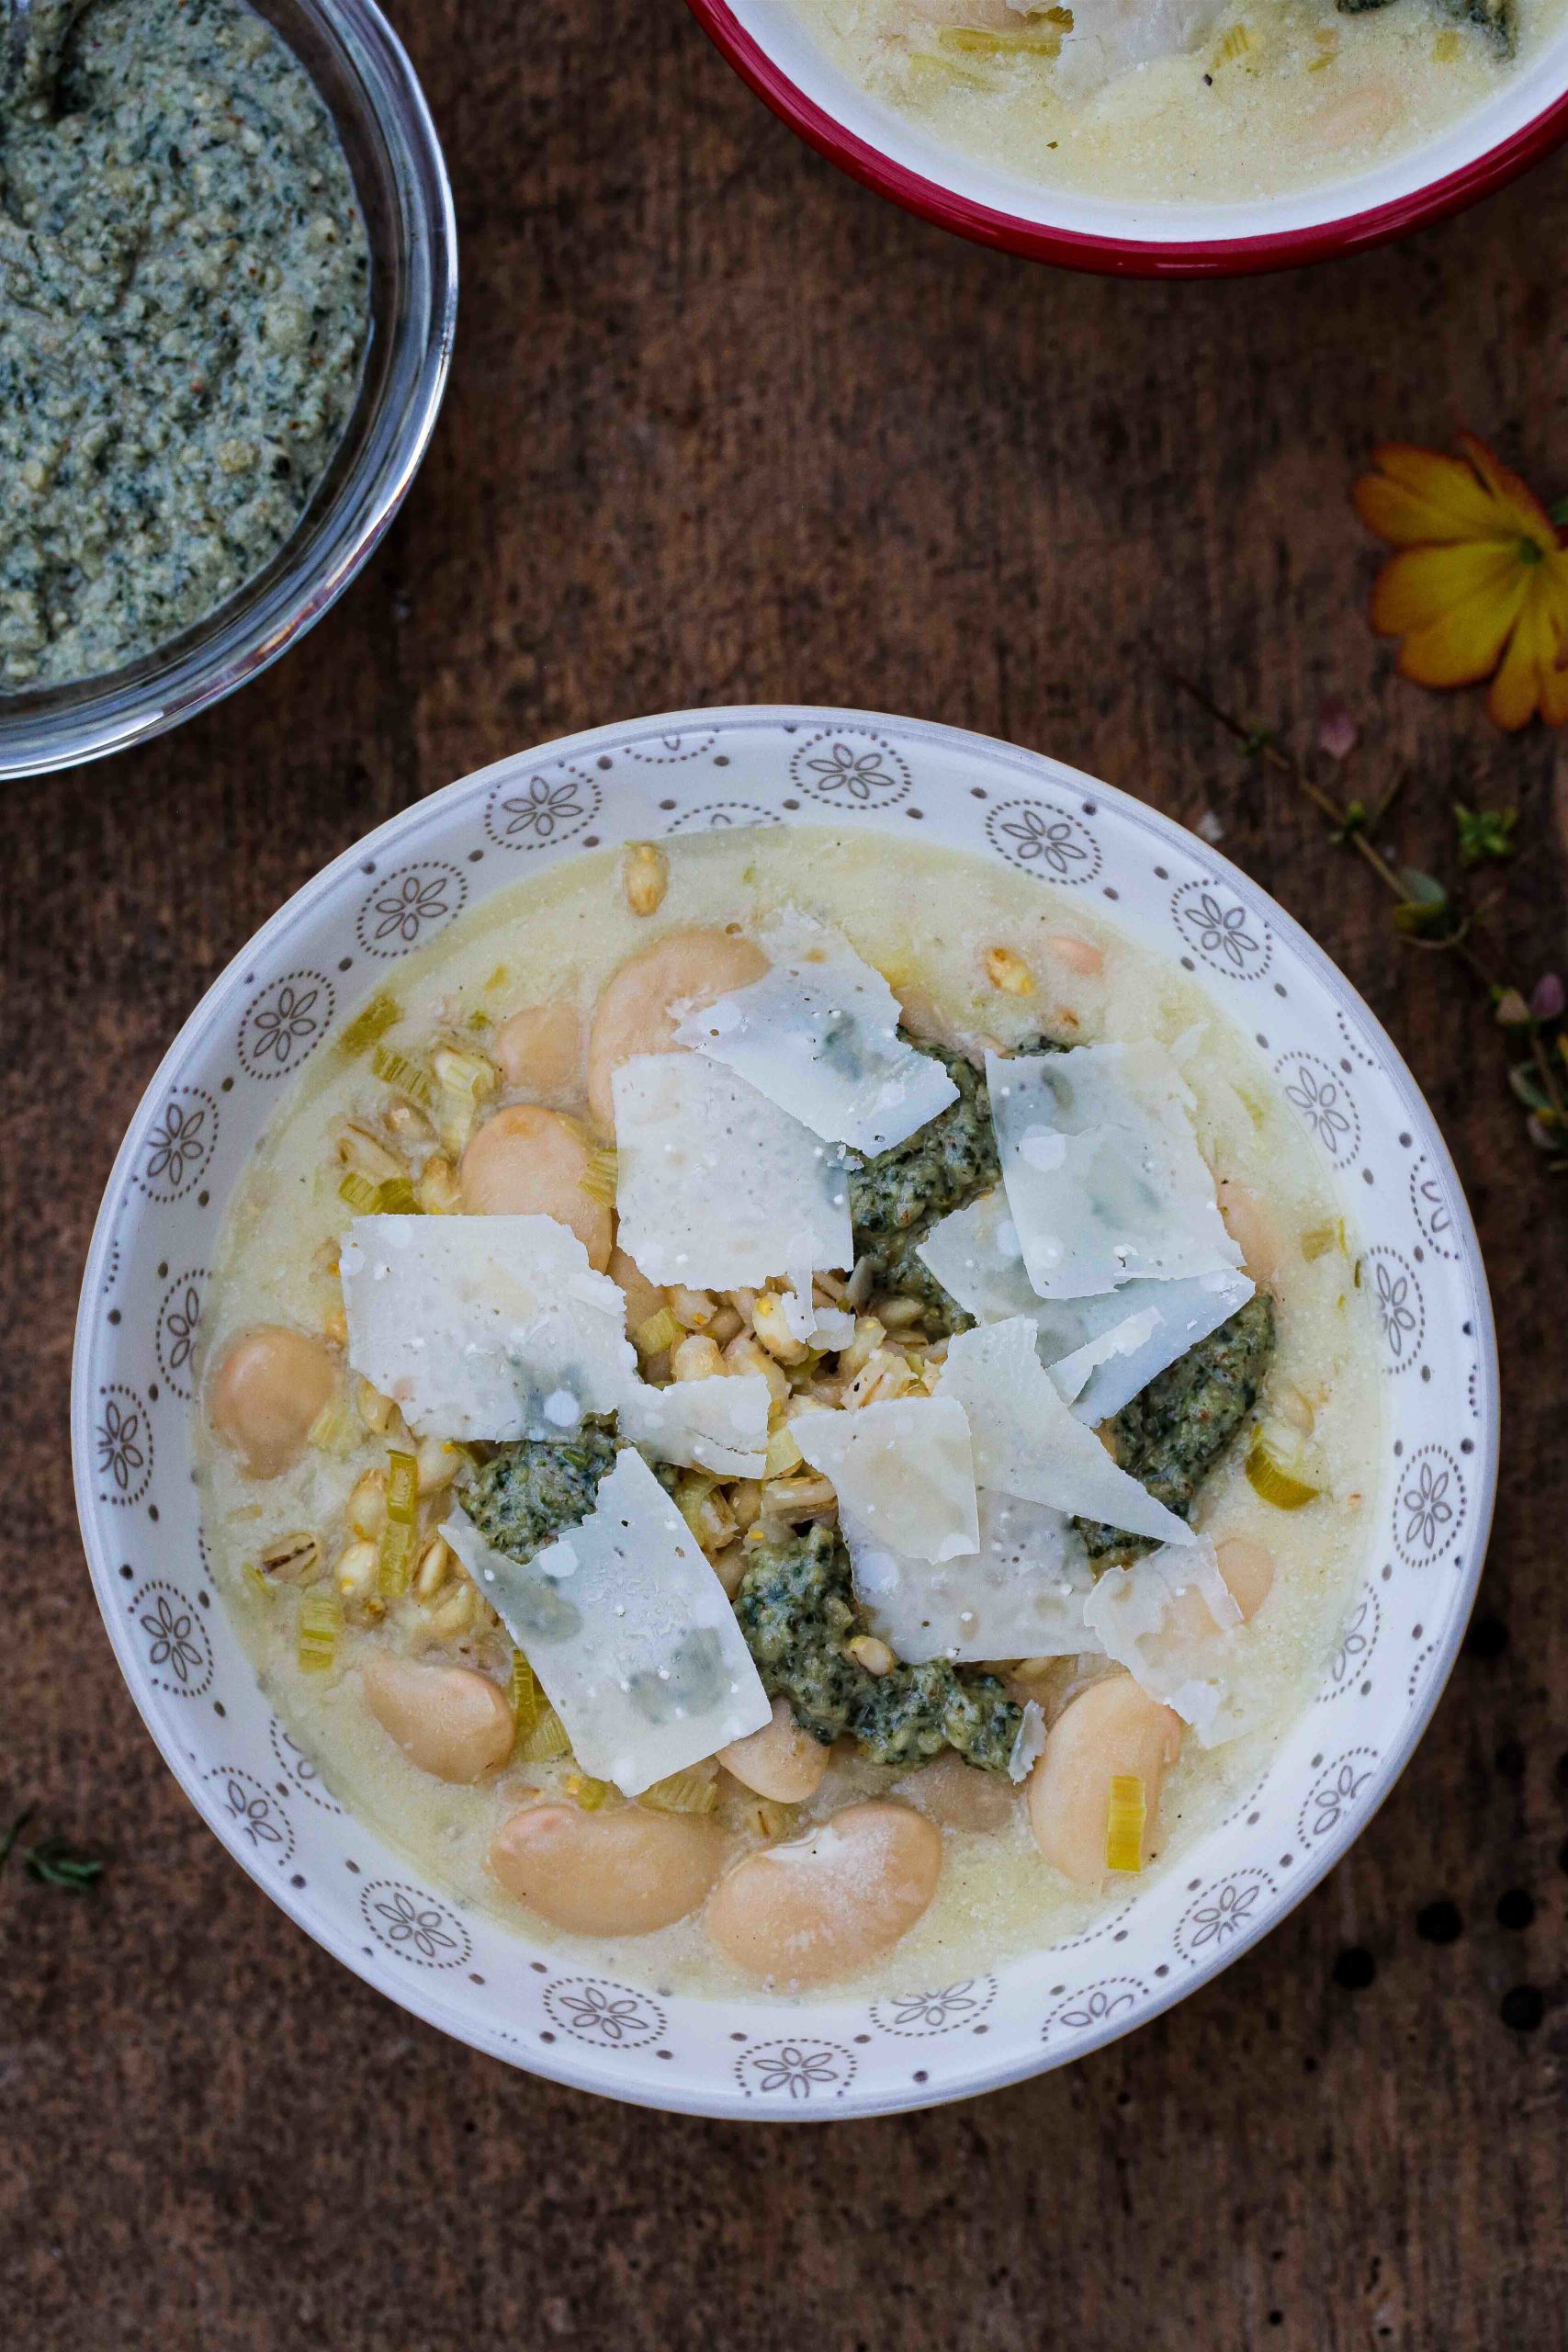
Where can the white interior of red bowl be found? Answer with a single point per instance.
(778, 29)
(357, 1893)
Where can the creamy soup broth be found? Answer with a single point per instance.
(927, 919)
(1185, 102)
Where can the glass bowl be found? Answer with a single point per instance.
(364, 75)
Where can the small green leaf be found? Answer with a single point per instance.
(1526, 1081)
(1512, 1011)
(1425, 911)
(1485, 833)
(1354, 821)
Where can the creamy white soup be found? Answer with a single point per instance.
(788, 1409)
(1182, 100)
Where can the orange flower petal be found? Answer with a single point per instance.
(1520, 684)
(1517, 502)
(1421, 497)
(1419, 586)
(1453, 633)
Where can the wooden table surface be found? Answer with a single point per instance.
(723, 427)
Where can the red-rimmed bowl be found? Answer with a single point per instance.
(772, 49)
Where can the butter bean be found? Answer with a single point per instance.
(829, 1903)
(624, 1872)
(539, 1052)
(1247, 1569)
(779, 1761)
(529, 1162)
(1112, 1728)
(266, 1393)
(958, 1797)
(447, 1720)
(635, 1010)
(1251, 1227)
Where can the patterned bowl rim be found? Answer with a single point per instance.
(700, 2098)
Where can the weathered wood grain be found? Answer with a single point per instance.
(725, 427)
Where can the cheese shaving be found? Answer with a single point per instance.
(1019, 1594)
(715, 1182)
(1172, 1622)
(818, 1035)
(1102, 1175)
(903, 1473)
(1101, 1350)
(484, 1327)
(628, 1630)
(1027, 1441)
(719, 1423)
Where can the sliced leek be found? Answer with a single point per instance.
(394, 1560)
(370, 1023)
(319, 1624)
(1126, 1818)
(546, 1740)
(599, 1177)
(661, 1331)
(587, 1792)
(684, 1792)
(1272, 1479)
(393, 1197)
(784, 1455)
(402, 1487)
(528, 1701)
(407, 1076)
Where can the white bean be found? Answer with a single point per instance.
(779, 1761)
(266, 1393)
(1247, 1569)
(958, 1797)
(634, 1013)
(1111, 1729)
(447, 1720)
(619, 1872)
(539, 1052)
(831, 1902)
(529, 1162)
(1251, 1227)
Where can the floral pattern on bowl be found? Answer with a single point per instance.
(462, 1968)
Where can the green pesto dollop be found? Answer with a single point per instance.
(527, 1492)
(796, 1607)
(183, 308)
(1174, 1432)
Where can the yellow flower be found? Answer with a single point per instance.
(1479, 588)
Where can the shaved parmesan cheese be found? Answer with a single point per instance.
(1019, 1594)
(1027, 1441)
(1170, 1619)
(628, 1629)
(1100, 1351)
(715, 1187)
(719, 1423)
(484, 1327)
(1102, 1175)
(1030, 1744)
(1160, 1321)
(903, 1472)
(819, 1326)
(818, 1035)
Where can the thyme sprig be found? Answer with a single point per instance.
(51, 1861)
(1432, 915)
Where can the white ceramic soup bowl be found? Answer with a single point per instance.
(295, 986)
(772, 51)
